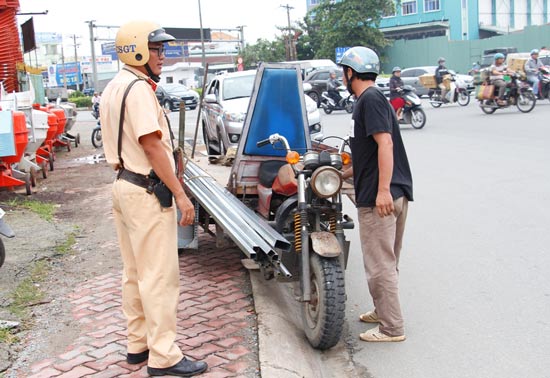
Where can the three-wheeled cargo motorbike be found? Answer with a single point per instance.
(282, 204)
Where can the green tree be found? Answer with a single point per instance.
(263, 51)
(345, 23)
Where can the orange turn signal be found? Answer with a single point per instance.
(292, 157)
(346, 158)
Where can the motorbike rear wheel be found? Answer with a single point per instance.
(435, 100)
(463, 98)
(97, 140)
(488, 110)
(418, 118)
(323, 315)
(526, 102)
(349, 106)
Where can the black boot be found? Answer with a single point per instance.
(184, 368)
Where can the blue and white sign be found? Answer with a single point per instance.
(340, 51)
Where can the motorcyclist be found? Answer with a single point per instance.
(475, 69)
(532, 68)
(440, 72)
(332, 88)
(498, 70)
(396, 89)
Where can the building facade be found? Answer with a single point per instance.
(459, 19)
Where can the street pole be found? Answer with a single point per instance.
(63, 65)
(290, 50)
(76, 60)
(92, 43)
(241, 30)
(202, 40)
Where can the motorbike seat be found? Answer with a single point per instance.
(269, 170)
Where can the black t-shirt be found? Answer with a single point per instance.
(373, 114)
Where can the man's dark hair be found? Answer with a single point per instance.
(366, 76)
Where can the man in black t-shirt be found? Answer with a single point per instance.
(383, 188)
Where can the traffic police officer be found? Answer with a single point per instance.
(147, 231)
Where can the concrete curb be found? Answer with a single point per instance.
(283, 348)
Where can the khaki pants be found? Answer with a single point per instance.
(147, 237)
(381, 241)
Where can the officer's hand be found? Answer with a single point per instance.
(187, 210)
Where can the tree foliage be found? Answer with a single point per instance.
(264, 51)
(345, 23)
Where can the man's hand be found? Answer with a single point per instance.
(186, 208)
(384, 203)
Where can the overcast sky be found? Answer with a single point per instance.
(260, 17)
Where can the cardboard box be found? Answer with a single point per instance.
(517, 64)
(428, 81)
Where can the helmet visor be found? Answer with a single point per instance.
(160, 35)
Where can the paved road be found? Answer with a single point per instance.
(474, 276)
(474, 286)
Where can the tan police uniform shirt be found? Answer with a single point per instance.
(143, 115)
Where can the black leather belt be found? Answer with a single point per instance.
(134, 178)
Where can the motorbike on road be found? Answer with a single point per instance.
(97, 140)
(413, 114)
(301, 197)
(6, 231)
(518, 93)
(458, 93)
(346, 103)
(544, 82)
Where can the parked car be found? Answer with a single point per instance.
(170, 96)
(410, 77)
(224, 109)
(383, 84)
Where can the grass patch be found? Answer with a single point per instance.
(67, 246)
(7, 337)
(44, 210)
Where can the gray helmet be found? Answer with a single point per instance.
(441, 59)
(361, 60)
(534, 51)
(396, 69)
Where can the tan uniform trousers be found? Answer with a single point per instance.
(381, 241)
(147, 237)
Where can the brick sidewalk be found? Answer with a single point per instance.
(216, 321)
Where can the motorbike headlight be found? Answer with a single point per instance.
(326, 182)
(234, 116)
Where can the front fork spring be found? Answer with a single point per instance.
(297, 232)
(332, 224)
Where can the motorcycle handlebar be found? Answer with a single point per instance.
(262, 143)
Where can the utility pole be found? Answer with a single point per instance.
(202, 40)
(75, 45)
(290, 48)
(92, 44)
(240, 28)
(63, 65)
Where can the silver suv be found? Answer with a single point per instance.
(224, 108)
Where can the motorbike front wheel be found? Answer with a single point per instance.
(526, 102)
(323, 315)
(327, 109)
(349, 106)
(463, 98)
(97, 140)
(418, 118)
